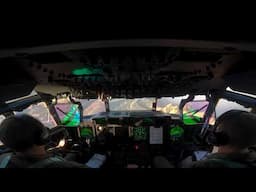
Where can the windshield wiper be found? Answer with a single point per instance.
(195, 112)
(61, 111)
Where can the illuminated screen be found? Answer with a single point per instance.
(86, 132)
(140, 133)
(68, 114)
(176, 132)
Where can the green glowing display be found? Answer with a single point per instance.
(191, 120)
(176, 131)
(87, 71)
(68, 114)
(140, 133)
(86, 132)
(73, 117)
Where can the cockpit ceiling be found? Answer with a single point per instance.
(129, 71)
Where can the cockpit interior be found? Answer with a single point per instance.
(127, 100)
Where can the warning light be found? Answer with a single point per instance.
(136, 147)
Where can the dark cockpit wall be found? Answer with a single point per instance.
(127, 68)
(15, 82)
(242, 76)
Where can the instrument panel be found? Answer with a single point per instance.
(133, 143)
(153, 131)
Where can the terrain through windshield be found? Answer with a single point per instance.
(40, 112)
(165, 104)
(139, 104)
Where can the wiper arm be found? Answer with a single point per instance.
(61, 111)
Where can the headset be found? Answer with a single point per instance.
(40, 139)
(220, 138)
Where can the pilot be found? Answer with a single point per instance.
(234, 134)
(27, 138)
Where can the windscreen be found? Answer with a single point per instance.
(92, 106)
(224, 105)
(169, 105)
(194, 111)
(41, 112)
(139, 104)
(68, 114)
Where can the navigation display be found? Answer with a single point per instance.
(140, 133)
(68, 114)
(176, 132)
(86, 132)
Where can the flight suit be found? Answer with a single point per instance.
(50, 161)
(214, 160)
(218, 160)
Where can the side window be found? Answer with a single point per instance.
(194, 112)
(224, 105)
